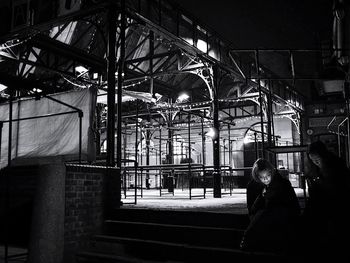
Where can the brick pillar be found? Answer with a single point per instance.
(84, 207)
(47, 232)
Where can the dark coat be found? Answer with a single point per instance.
(274, 216)
(326, 219)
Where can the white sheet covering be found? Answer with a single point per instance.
(49, 136)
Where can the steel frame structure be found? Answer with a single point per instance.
(126, 42)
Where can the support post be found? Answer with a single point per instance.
(120, 94)
(136, 148)
(113, 178)
(7, 192)
(189, 154)
(261, 104)
(203, 155)
(216, 139)
(148, 139)
(111, 68)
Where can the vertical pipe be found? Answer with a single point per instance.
(348, 129)
(125, 141)
(141, 146)
(18, 123)
(7, 193)
(170, 140)
(9, 152)
(148, 135)
(230, 153)
(98, 128)
(151, 54)
(125, 171)
(216, 139)
(136, 148)
(269, 118)
(223, 146)
(272, 120)
(160, 161)
(114, 182)
(256, 146)
(189, 154)
(229, 140)
(203, 141)
(80, 133)
(338, 136)
(120, 93)
(203, 155)
(261, 104)
(287, 158)
(111, 68)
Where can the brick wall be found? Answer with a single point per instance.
(84, 205)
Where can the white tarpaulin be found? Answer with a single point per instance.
(49, 136)
(129, 95)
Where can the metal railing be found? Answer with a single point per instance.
(185, 177)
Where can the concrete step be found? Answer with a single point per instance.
(178, 217)
(195, 235)
(147, 249)
(93, 257)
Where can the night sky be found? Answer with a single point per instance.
(266, 23)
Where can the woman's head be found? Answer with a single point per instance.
(318, 153)
(262, 171)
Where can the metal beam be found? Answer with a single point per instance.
(68, 51)
(147, 58)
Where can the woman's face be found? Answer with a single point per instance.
(265, 177)
(316, 159)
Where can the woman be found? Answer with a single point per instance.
(325, 218)
(273, 210)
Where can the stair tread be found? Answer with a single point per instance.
(102, 255)
(184, 245)
(174, 225)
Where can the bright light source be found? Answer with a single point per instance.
(212, 133)
(116, 74)
(2, 87)
(81, 69)
(202, 46)
(182, 97)
(247, 139)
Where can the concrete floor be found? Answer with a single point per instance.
(16, 254)
(235, 203)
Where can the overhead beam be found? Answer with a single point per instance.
(68, 51)
(147, 58)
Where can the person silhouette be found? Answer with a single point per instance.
(273, 209)
(325, 221)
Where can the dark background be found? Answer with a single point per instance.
(265, 23)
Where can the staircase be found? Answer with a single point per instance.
(137, 235)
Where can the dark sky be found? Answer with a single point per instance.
(265, 23)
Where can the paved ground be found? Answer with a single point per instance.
(235, 203)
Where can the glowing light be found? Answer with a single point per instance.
(212, 133)
(202, 45)
(81, 69)
(189, 40)
(2, 87)
(247, 139)
(182, 97)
